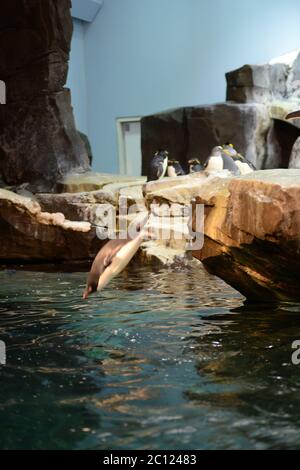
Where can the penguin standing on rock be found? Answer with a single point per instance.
(243, 164)
(175, 169)
(195, 166)
(158, 165)
(229, 149)
(219, 160)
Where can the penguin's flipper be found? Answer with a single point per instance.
(228, 163)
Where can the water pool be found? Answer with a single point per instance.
(170, 359)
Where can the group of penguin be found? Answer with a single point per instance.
(223, 157)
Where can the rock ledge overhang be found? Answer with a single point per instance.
(252, 234)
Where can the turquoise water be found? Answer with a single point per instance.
(169, 359)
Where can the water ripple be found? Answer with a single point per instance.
(163, 359)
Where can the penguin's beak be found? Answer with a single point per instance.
(87, 292)
(85, 295)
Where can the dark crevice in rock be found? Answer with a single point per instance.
(281, 138)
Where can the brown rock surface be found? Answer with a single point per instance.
(257, 95)
(28, 234)
(251, 229)
(89, 195)
(252, 235)
(92, 181)
(257, 83)
(183, 189)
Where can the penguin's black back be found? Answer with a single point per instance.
(156, 167)
(178, 169)
(195, 166)
(228, 164)
(198, 167)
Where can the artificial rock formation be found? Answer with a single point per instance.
(278, 80)
(86, 196)
(253, 119)
(32, 235)
(38, 140)
(252, 235)
(192, 132)
(67, 227)
(251, 228)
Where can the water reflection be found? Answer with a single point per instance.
(245, 364)
(161, 359)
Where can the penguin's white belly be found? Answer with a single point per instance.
(171, 172)
(214, 164)
(243, 167)
(164, 168)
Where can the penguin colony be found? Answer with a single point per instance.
(224, 157)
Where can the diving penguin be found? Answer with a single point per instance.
(101, 262)
(113, 257)
(195, 166)
(175, 169)
(158, 165)
(219, 160)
